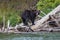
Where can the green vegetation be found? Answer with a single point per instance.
(13, 16)
(8, 10)
(47, 5)
(12, 9)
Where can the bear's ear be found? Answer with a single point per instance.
(38, 12)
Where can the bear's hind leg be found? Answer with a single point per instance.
(25, 22)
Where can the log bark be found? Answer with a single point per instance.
(45, 18)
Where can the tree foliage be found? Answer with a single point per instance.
(47, 5)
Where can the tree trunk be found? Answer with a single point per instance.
(3, 28)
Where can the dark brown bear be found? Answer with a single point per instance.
(29, 15)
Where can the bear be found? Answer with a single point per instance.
(29, 15)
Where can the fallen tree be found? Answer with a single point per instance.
(41, 24)
(45, 18)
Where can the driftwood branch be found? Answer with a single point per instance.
(45, 18)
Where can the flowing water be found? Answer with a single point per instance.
(38, 36)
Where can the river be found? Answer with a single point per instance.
(39, 36)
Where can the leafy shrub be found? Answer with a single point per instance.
(47, 5)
